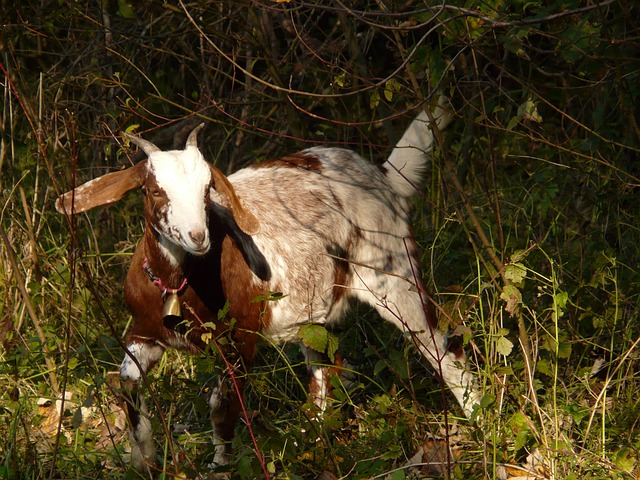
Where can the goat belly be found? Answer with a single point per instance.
(242, 290)
(305, 237)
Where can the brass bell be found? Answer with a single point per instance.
(171, 312)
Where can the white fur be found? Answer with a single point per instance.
(408, 157)
(185, 177)
(147, 356)
(362, 209)
(318, 377)
(143, 450)
(314, 212)
(171, 251)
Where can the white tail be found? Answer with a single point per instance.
(406, 165)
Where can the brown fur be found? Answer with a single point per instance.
(205, 294)
(295, 160)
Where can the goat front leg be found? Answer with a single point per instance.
(146, 355)
(225, 403)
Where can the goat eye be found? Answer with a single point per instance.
(155, 192)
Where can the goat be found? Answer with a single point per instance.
(322, 226)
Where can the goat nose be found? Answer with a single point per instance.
(197, 236)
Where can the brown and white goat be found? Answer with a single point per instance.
(321, 226)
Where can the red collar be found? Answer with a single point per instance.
(157, 281)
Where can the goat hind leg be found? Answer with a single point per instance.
(318, 369)
(401, 305)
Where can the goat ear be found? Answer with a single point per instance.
(246, 220)
(103, 190)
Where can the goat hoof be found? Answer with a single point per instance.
(218, 476)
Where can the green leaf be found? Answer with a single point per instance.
(397, 475)
(487, 401)
(518, 255)
(244, 467)
(516, 273)
(374, 100)
(73, 363)
(549, 343)
(379, 367)
(564, 350)
(504, 346)
(561, 299)
(398, 362)
(269, 297)
(512, 123)
(76, 422)
(319, 339)
(503, 370)
(625, 459)
(544, 367)
(224, 311)
(519, 421)
(131, 129)
(340, 80)
(391, 87)
(464, 331)
(521, 440)
(7, 472)
(125, 9)
(529, 111)
(383, 402)
(314, 336)
(332, 346)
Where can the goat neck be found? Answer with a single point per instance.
(165, 260)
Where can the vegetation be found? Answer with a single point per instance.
(528, 224)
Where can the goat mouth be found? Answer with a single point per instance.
(198, 251)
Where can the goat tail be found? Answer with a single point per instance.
(407, 163)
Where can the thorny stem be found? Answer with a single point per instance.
(51, 367)
(243, 407)
(67, 337)
(291, 91)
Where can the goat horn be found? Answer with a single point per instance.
(192, 141)
(146, 146)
